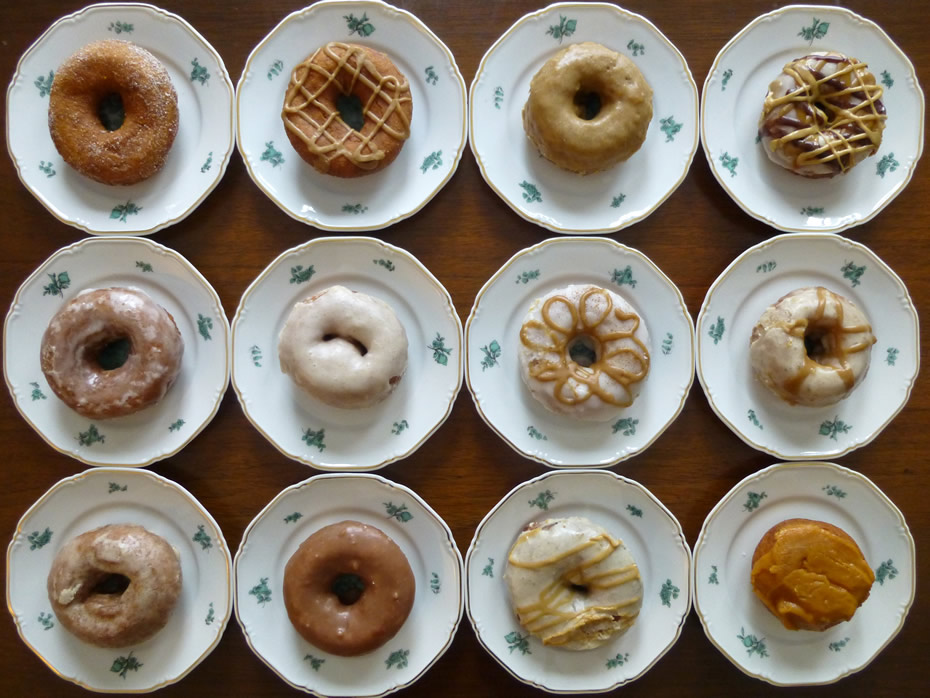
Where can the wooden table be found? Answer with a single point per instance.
(463, 236)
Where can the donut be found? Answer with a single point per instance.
(822, 115)
(572, 584)
(347, 110)
(343, 347)
(113, 112)
(811, 575)
(812, 347)
(589, 108)
(110, 352)
(348, 589)
(583, 352)
(115, 586)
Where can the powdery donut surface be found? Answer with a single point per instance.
(89, 322)
(572, 584)
(344, 347)
(115, 619)
(843, 342)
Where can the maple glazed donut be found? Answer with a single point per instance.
(348, 589)
(572, 584)
(589, 108)
(345, 348)
(111, 352)
(113, 112)
(115, 586)
(347, 110)
(812, 347)
(583, 352)
(822, 115)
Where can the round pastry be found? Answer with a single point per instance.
(812, 347)
(811, 575)
(110, 352)
(822, 115)
(345, 348)
(572, 584)
(115, 586)
(583, 352)
(348, 589)
(113, 112)
(589, 108)
(347, 110)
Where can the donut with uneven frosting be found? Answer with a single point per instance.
(87, 94)
(347, 110)
(572, 584)
(589, 108)
(111, 352)
(583, 352)
(812, 347)
(822, 115)
(348, 588)
(115, 586)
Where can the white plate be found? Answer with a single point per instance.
(732, 103)
(492, 368)
(630, 512)
(158, 431)
(302, 509)
(545, 194)
(741, 627)
(757, 279)
(196, 161)
(104, 496)
(331, 438)
(428, 159)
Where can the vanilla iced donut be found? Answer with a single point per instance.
(812, 347)
(345, 348)
(583, 352)
(572, 584)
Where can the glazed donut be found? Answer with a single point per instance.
(572, 584)
(348, 589)
(589, 108)
(583, 352)
(347, 110)
(822, 115)
(115, 586)
(811, 575)
(110, 352)
(345, 348)
(812, 347)
(113, 112)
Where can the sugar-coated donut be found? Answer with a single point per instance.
(589, 108)
(344, 347)
(115, 586)
(111, 352)
(348, 589)
(810, 574)
(87, 94)
(822, 115)
(347, 110)
(812, 347)
(572, 584)
(583, 352)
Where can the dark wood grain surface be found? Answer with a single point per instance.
(463, 236)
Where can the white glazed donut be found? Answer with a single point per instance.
(345, 348)
(572, 584)
(583, 352)
(812, 347)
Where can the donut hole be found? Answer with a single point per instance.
(111, 353)
(111, 112)
(348, 588)
(587, 104)
(111, 584)
(362, 349)
(579, 589)
(583, 350)
(350, 110)
(819, 343)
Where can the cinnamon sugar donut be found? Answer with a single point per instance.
(347, 110)
(111, 352)
(115, 586)
(90, 90)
